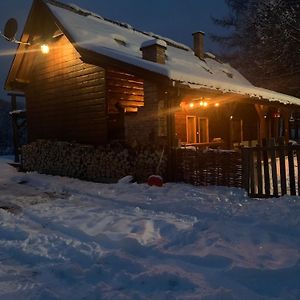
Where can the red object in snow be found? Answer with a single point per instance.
(155, 180)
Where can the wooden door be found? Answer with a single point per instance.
(236, 131)
(203, 135)
(191, 129)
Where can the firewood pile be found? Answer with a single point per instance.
(100, 164)
(220, 168)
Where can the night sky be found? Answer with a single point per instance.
(176, 19)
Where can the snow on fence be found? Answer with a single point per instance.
(271, 171)
(209, 167)
(99, 164)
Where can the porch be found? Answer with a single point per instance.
(229, 121)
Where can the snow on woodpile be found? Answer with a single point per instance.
(97, 34)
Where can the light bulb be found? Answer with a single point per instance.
(45, 49)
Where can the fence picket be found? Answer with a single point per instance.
(291, 170)
(259, 171)
(266, 170)
(298, 168)
(245, 168)
(282, 170)
(274, 171)
(252, 174)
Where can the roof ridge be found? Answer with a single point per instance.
(85, 13)
(68, 7)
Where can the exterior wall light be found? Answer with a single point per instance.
(45, 48)
(217, 104)
(191, 105)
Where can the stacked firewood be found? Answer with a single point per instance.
(99, 164)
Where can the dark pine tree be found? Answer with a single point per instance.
(264, 42)
(5, 128)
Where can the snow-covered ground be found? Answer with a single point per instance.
(62, 238)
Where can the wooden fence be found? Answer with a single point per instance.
(271, 171)
(211, 167)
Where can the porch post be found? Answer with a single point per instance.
(262, 126)
(286, 118)
(16, 141)
(170, 136)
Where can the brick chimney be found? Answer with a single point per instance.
(199, 44)
(154, 50)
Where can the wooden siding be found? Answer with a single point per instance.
(180, 126)
(123, 89)
(124, 94)
(66, 97)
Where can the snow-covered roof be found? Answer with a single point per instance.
(122, 42)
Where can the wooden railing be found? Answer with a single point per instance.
(271, 170)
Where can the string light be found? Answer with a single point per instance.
(45, 49)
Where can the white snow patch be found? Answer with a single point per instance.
(154, 42)
(72, 239)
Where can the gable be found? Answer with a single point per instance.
(40, 28)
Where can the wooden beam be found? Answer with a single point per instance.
(286, 118)
(262, 110)
(16, 141)
(171, 131)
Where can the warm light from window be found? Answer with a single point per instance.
(205, 104)
(217, 104)
(201, 103)
(45, 49)
(191, 105)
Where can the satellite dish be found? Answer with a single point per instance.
(10, 29)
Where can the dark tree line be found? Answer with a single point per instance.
(5, 128)
(264, 42)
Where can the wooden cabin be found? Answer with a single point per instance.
(93, 80)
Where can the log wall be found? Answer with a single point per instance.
(123, 89)
(66, 97)
(125, 95)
